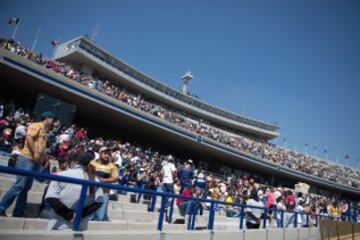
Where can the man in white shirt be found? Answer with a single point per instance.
(253, 215)
(63, 197)
(168, 172)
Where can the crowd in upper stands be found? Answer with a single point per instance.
(257, 147)
(144, 168)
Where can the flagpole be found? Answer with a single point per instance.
(17, 25)
(36, 39)
(55, 50)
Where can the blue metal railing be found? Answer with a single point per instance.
(164, 201)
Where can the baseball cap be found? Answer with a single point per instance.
(190, 161)
(103, 149)
(48, 114)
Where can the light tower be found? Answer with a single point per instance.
(186, 78)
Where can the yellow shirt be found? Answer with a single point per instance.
(105, 170)
(334, 211)
(38, 133)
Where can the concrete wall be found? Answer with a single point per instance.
(261, 234)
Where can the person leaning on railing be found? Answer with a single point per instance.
(28, 159)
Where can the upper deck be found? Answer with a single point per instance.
(90, 58)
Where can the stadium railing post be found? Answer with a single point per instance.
(295, 220)
(264, 218)
(282, 219)
(242, 213)
(194, 210)
(307, 220)
(211, 217)
(317, 220)
(190, 216)
(79, 208)
(171, 210)
(153, 203)
(161, 213)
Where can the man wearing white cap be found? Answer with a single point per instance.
(107, 172)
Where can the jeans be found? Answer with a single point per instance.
(169, 188)
(185, 208)
(101, 213)
(20, 188)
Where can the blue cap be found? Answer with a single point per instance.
(47, 114)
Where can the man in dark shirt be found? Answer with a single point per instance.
(186, 175)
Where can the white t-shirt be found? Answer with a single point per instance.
(255, 211)
(300, 210)
(167, 171)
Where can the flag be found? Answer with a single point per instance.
(55, 42)
(14, 20)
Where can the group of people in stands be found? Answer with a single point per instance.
(32, 145)
(257, 147)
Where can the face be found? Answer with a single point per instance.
(105, 156)
(49, 122)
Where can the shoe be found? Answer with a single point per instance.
(3, 214)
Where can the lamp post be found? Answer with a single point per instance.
(186, 78)
(306, 147)
(325, 152)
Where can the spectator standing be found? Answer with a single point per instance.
(186, 175)
(253, 215)
(106, 172)
(168, 172)
(28, 159)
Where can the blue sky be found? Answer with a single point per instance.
(296, 63)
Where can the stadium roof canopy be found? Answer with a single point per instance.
(90, 58)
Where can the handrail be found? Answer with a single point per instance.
(164, 199)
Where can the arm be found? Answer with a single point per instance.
(114, 176)
(30, 144)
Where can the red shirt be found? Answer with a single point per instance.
(187, 193)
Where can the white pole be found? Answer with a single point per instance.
(14, 34)
(36, 39)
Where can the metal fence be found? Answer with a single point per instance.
(165, 198)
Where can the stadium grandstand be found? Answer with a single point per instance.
(158, 141)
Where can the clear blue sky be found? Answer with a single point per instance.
(296, 63)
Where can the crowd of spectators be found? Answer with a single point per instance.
(256, 147)
(144, 168)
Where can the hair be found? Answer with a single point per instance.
(254, 195)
